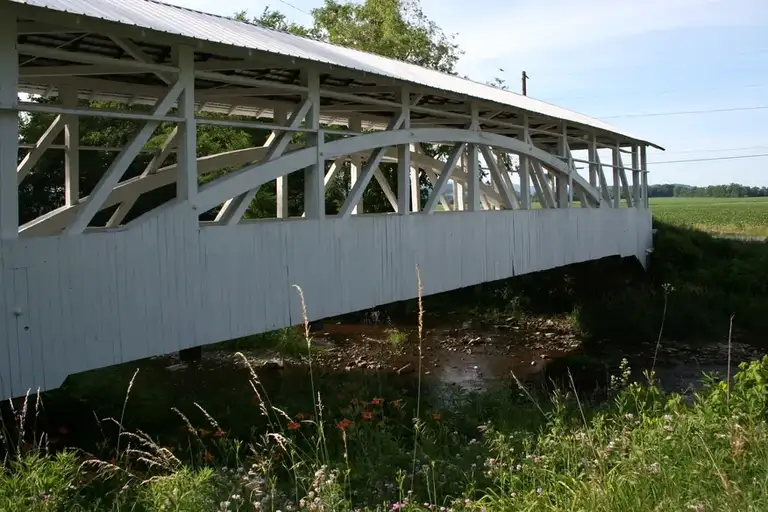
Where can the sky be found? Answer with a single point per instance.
(619, 61)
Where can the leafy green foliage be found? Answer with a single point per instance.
(498, 450)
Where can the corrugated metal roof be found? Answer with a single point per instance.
(153, 15)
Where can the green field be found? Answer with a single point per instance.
(746, 216)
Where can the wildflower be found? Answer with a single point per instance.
(654, 468)
(377, 401)
(539, 490)
(667, 418)
(219, 433)
(207, 457)
(367, 415)
(436, 416)
(344, 424)
(293, 425)
(396, 403)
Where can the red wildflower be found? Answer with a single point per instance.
(396, 403)
(219, 433)
(207, 457)
(293, 425)
(436, 416)
(344, 424)
(367, 415)
(377, 401)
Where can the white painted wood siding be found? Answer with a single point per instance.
(71, 304)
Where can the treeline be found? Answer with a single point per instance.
(731, 190)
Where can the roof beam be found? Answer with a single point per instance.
(137, 53)
(90, 58)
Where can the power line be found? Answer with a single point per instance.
(735, 157)
(687, 112)
(714, 150)
(656, 93)
(294, 7)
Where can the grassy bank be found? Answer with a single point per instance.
(508, 449)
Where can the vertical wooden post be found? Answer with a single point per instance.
(561, 182)
(458, 188)
(473, 163)
(525, 171)
(644, 170)
(593, 166)
(279, 117)
(404, 158)
(314, 187)
(68, 98)
(355, 163)
(616, 177)
(415, 183)
(186, 183)
(9, 124)
(636, 176)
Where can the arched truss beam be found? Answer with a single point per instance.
(126, 192)
(255, 175)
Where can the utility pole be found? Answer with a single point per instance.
(525, 83)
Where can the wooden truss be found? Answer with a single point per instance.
(518, 157)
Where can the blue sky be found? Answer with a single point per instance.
(614, 58)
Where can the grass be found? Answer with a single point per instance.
(397, 338)
(727, 216)
(514, 448)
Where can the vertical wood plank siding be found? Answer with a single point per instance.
(76, 303)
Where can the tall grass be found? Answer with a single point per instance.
(504, 449)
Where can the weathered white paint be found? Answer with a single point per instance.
(78, 302)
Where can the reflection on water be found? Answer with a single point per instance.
(450, 356)
(354, 362)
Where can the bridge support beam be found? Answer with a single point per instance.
(404, 159)
(355, 164)
(9, 124)
(314, 186)
(72, 148)
(636, 186)
(473, 165)
(186, 183)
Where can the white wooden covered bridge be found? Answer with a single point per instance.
(78, 294)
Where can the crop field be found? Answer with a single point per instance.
(746, 216)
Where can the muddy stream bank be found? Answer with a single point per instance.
(356, 361)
